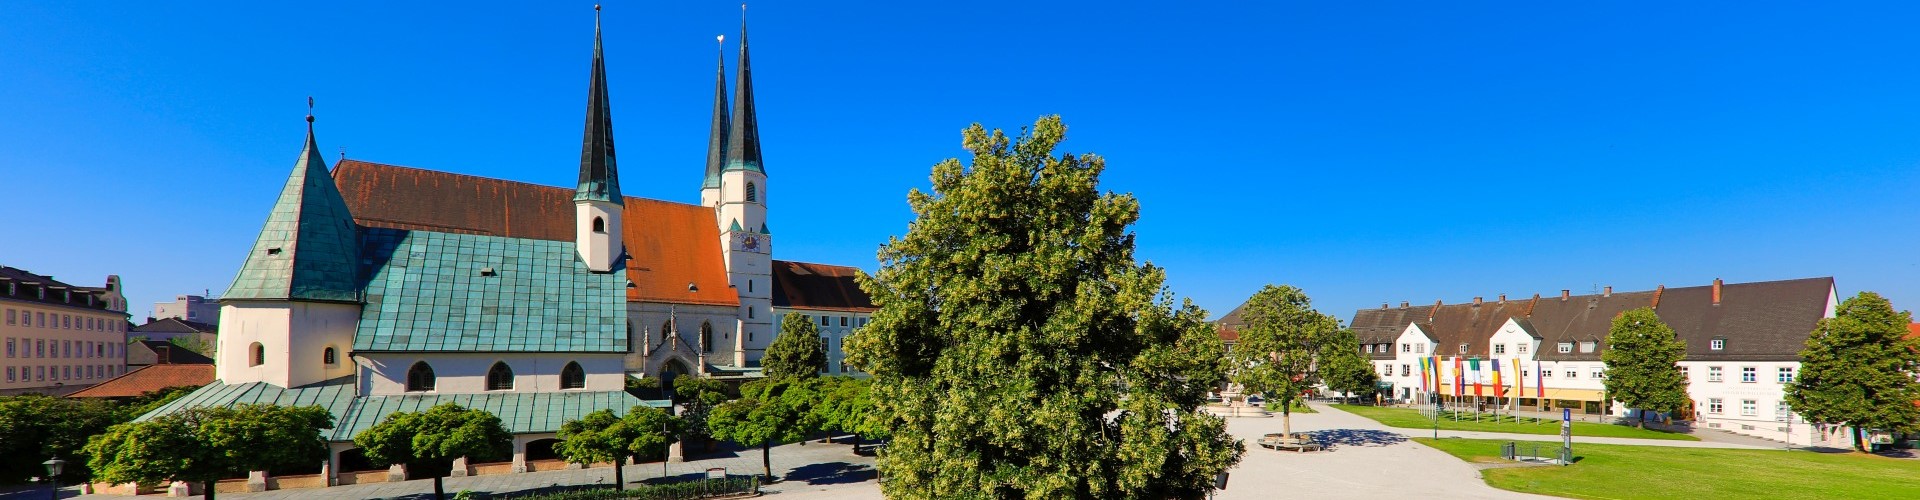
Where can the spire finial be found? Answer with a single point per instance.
(309, 110)
(596, 17)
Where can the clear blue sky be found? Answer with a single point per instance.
(1366, 152)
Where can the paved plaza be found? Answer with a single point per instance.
(1364, 459)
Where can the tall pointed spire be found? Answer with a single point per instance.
(743, 140)
(309, 246)
(599, 177)
(717, 138)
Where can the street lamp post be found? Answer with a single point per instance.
(53, 474)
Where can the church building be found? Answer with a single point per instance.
(376, 288)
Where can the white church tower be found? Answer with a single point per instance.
(289, 318)
(741, 209)
(597, 203)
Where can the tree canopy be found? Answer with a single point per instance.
(1858, 369)
(1343, 368)
(1019, 351)
(603, 437)
(34, 428)
(797, 351)
(1278, 346)
(1643, 363)
(205, 445)
(765, 415)
(429, 441)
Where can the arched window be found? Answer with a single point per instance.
(420, 377)
(599, 225)
(706, 336)
(751, 195)
(500, 377)
(256, 354)
(572, 377)
(328, 357)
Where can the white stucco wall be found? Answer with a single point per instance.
(294, 335)
(597, 249)
(835, 333)
(651, 347)
(466, 373)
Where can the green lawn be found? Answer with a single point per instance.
(1409, 418)
(1622, 471)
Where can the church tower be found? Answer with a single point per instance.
(597, 204)
(288, 319)
(745, 242)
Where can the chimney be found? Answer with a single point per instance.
(1503, 299)
(1716, 291)
(1565, 294)
(1476, 302)
(1383, 306)
(1656, 295)
(1404, 304)
(1607, 292)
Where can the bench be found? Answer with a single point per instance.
(1299, 443)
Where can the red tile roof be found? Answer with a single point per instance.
(149, 379)
(670, 244)
(1913, 330)
(803, 285)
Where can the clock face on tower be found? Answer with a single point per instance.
(750, 242)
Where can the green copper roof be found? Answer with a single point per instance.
(743, 140)
(599, 177)
(735, 227)
(520, 412)
(306, 249)
(763, 229)
(529, 412)
(429, 291)
(717, 134)
(335, 395)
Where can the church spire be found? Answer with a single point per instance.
(309, 246)
(743, 140)
(599, 177)
(717, 138)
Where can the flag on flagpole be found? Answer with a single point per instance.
(1475, 364)
(1423, 374)
(1497, 391)
(1519, 380)
(1459, 377)
(1539, 384)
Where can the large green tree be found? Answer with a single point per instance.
(1858, 369)
(603, 437)
(1643, 364)
(769, 412)
(429, 441)
(1343, 368)
(205, 445)
(34, 428)
(797, 351)
(1279, 345)
(697, 397)
(1020, 351)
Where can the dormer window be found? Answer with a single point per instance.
(1717, 344)
(599, 225)
(1588, 346)
(1566, 347)
(1463, 348)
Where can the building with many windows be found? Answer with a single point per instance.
(373, 288)
(1743, 344)
(195, 308)
(59, 337)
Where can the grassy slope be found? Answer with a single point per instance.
(1411, 419)
(1621, 471)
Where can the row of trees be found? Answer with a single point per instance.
(35, 428)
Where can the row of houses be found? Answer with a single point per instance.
(1743, 348)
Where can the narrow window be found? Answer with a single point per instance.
(572, 377)
(599, 225)
(706, 337)
(257, 355)
(500, 377)
(749, 285)
(327, 356)
(751, 195)
(420, 377)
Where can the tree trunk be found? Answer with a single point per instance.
(439, 492)
(1286, 418)
(766, 458)
(620, 479)
(209, 488)
(857, 441)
